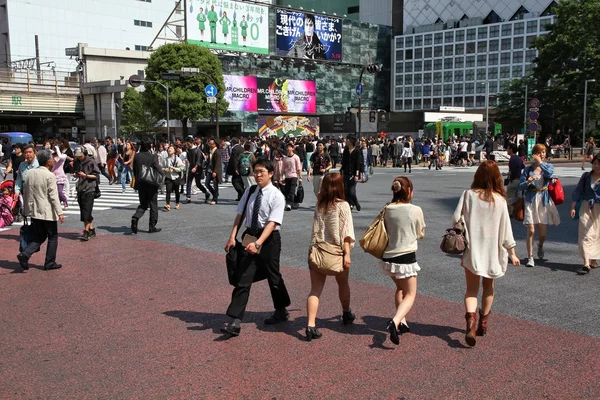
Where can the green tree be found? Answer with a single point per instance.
(134, 116)
(187, 99)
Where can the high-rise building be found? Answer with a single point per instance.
(456, 53)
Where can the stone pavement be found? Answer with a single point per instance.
(130, 318)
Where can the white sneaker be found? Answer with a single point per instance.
(540, 252)
(195, 191)
(530, 262)
(288, 208)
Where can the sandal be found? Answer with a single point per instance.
(584, 270)
(167, 207)
(594, 266)
(177, 206)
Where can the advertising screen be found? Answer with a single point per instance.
(287, 126)
(228, 25)
(286, 95)
(309, 36)
(241, 93)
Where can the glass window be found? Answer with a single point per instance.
(529, 41)
(408, 54)
(448, 101)
(532, 26)
(428, 39)
(427, 90)
(399, 79)
(448, 50)
(482, 33)
(427, 65)
(418, 54)
(417, 104)
(459, 62)
(493, 59)
(519, 28)
(458, 76)
(437, 64)
(447, 76)
(400, 42)
(518, 43)
(470, 62)
(399, 55)
(517, 71)
(417, 91)
(493, 87)
(408, 42)
(438, 38)
(481, 46)
(448, 90)
(460, 36)
(480, 101)
(448, 37)
(459, 49)
(494, 45)
(437, 102)
(458, 101)
(480, 88)
(418, 79)
(437, 90)
(494, 31)
(469, 88)
(437, 51)
(408, 66)
(507, 30)
(418, 66)
(528, 69)
(448, 63)
(399, 92)
(470, 47)
(492, 73)
(458, 88)
(437, 77)
(469, 75)
(544, 23)
(427, 78)
(471, 34)
(408, 91)
(399, 68)
(530, 55)
(505, 58)
(481, 60)
(428, 52)
(418, 40)
(398, 105)
(517, 57)
(426, 104)
(469, 102)
(504, 72)
(408, 104)
(505, 44)
(481, 74)
(408, 79)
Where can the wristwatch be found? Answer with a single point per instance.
(258, 246)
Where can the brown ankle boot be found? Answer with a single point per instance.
(471, 337)
(482, 326)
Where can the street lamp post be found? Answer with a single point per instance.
(135, 81)
(525, 110)
(487, 104)
(585, 107)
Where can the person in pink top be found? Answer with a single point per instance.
(59, 172)
(292, 172)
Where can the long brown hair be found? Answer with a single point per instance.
(488, 181)
(402, 188)
(332, 189)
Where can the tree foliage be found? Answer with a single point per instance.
(187, 98)
(135, 117)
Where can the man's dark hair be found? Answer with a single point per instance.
(264, 162)
(352, 140)
(234, 140)
(28, 146)
(145, 145)
(310, 17)
(513, 148)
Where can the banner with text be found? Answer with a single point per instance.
(309, 36)
(289, 126)
(241, 93)
(286, 95)
(228, 25)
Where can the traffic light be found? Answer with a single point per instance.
(348, 117)
(373, 68)
(372, 117)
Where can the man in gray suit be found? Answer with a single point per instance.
(40, 199)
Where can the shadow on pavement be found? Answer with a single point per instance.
(116, 229)
(557, 266)
(15, 267)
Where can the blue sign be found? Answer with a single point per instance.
(211, 90)
(359, 89)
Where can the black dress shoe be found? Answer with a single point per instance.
(187, 201)
(277, 317)
(23, 261)
(404, 328)
(52, 266)
(358, 208)
(154, 230)
(393, 330)
(233, 329)
(134, 227)
(348, 317)
(312, 333)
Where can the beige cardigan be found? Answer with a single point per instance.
(334, 225)
(40, 195)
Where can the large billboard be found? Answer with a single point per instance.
(308, 36)
(241, 93)
(228, 25)
(285, 95)
(287, 126)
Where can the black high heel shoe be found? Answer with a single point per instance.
(348, 317)
(403, 328)
(312, 333)
(391, 327)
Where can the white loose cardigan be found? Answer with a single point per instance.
(488, 232)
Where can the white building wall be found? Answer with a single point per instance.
(64, 23)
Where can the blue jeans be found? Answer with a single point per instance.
(124, 174)
(366, 169)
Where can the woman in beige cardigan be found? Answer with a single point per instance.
(490, 241)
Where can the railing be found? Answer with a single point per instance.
(46, 81)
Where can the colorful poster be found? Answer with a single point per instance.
(289, 126)
(286, 95)
(228, 25)
(309, 36)
(241, 93)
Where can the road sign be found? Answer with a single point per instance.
(135, 81)
(170, 76)
(72, 52)
(534, 103)
(534, 109)
(211, 90)
(211, 100)
(359, 89)
(534, 115)
(533, 127)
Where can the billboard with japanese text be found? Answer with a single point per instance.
(286, 95)
(241, 93)
(228, 25)
(308, 36)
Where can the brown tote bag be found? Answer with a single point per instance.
(518, 209)
(454, 240)
(375, 240)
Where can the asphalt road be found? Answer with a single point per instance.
(550, 294)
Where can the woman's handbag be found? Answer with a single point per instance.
(375, 239)
(557, 193)
(326, 258)
(518, 209)
(454, 240)
(132, 182)
(370, 170)
(299, 198)
(150, 176)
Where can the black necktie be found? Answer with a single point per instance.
(254, 227)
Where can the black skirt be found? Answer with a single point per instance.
(86, 204)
